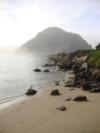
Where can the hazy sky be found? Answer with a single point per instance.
(21, 20)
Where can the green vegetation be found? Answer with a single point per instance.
(94, 58)
(98, 46)
(62, 60)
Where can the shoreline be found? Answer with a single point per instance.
(19, 99)
(11, 102)
(24, 97)
(39, 113)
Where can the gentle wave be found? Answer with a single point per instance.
(16, 76)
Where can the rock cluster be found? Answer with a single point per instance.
(39, 70)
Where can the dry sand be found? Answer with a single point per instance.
(38, 114)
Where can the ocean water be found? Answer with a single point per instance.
(17, 75)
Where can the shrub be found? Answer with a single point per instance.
(94, 58)
(98, 46)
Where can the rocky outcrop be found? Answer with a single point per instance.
(87, 86)
(96, 75)
(95, 90)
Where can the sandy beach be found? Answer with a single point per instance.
(38, 114)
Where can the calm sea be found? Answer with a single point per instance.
(17, 75)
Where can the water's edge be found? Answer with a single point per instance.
(24, 97)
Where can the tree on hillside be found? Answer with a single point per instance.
(98, 46)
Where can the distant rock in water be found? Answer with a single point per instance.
(54, 40)
(37, 70)
(31, 92)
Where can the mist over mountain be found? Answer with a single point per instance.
(54, 40)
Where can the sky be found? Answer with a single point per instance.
(21, 20)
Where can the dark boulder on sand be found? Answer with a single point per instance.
(55, 92)
(80, 99)
(31, 92)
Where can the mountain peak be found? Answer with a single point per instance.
(50, 29)
(53, 40)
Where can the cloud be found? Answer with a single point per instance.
(22, 19)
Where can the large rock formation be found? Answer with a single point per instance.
(54, 40)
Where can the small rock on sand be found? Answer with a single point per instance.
(68, 99)
(61, 108)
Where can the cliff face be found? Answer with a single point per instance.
(54, 40)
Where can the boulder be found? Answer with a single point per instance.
(75, 68)
(86, 86)
(46, 70)
(61, 108)
(83, 75)
(95, 90)
(71, 72)
(31, 92)
(55, 92)
(70, 83)
(80, 99)
(37, 70)
(96, 75)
